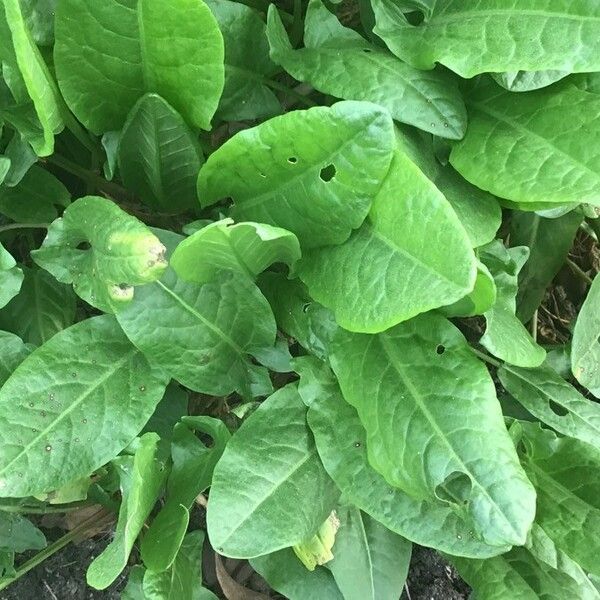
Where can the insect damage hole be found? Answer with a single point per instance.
(292, 160)
(327, 173)
(440, 349)
(83, 246)
(455, 489)
(557, 409)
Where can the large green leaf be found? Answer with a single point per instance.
(313, 172)
(370, 562)
(491, 35)
(549, 241)
(142, 477)
(505, 336)
(411, 255)
(548, 397)
(18, 534)
(287, 575)
(66, 412)
(11, 277)
(437, 435)
(585, 351)
(42, 308)
(538, 149)
(246, 94)
(338, 61)
(247, 248)
(203, 335)
(564, 472)
(12, 353)
(110, 53)
(39, 15)
(269, 489)
(102, 251)
(159, 157)
(342, 444)
(30, 73)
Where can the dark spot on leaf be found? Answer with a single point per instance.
(292, 160)
(557, 409)
(83, 246)
(124, 286)
(327, 173)
(440, 349)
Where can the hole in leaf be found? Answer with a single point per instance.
(292, 160)
(83, 246)
(367, 50)
(557, 409)
(440, 349)
(455, 489)
(415, 17)
(305, 307)
(327, 173)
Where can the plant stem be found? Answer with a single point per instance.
(43, 510)
(289, 91)
(579, 271)
(485, 357)
(24, 226)
(594, 226)
(534, 326)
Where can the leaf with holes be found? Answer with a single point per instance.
(109, 54)
(269, 489)
(339, 61)
(425, 423)
(64, 412)
(395, 265)
(314, 172)
(11, 277)
(102, 251)
(246, 248)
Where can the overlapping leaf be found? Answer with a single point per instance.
(11, 277)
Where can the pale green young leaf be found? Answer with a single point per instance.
(411, 255)
(103, 251)
(505, 336)
(314, 172)
(246, 248)
(108, 54)
(370, 562)
(18, 534)
(342, 444)
(527, 81)
(141, 479)
(246, 94)
(549, 241)
(42, 308)
(11, 277)
(531, 35)
(202, 335)
(478, 301)
(65, 412)
(12, 353)
(269, 489)
(585, 348)
(548, 397)
(338, 61)
(287, 575)
(427, 403)
(34, 198)
(539, 149)
(159, 156)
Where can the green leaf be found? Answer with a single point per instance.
(39, 15)
(505, 336)
(313, 172)
(478, 211)
(191, 474)
(21, 156)
(33, 75)
(553, 401)
(342, 444)
(183, 580)
(392, 268)
(370, 562)
(203, 335)
(530, 36)
(246, 248)
(478, 301)
(42, 191)
(159, 157)
(11, 277)
(539, 570)
(42, 308)
(588, 82)
(286, 574)
(549, 241)
(134, 589)
(246, 94)
(526, 81)
(173, 406)
(65, 412)
(18, 534)
(269, 461)
(109, 54)
(564, 471)
(425, 425)
(535, 150)
(585, 349)
(142, 477)
(12, 353)
(338, 61)
(4, 168)
(102, 251)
